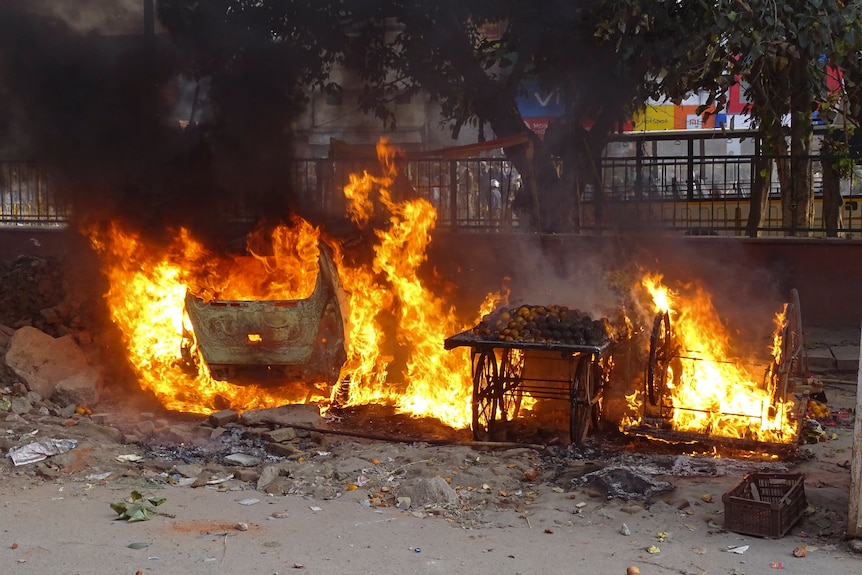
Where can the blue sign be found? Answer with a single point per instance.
(537, 102)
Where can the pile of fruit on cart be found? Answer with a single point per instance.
(544, 324)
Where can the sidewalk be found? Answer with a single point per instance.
(832, 350)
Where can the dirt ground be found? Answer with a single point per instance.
(363, 506)
(331, 502)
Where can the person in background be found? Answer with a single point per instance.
(496, 201)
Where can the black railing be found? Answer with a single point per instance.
(26, 198)
(706, 195)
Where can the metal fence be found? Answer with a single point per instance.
(26, 198)
(685, 194)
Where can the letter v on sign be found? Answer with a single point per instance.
(543, 102)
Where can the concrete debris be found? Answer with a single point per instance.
(304, 414)
(433, 492)
(223, 417)
(81, 388)
(42, 361)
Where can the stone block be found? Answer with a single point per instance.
(304, 414)
(821, 359)
(280, 435)
(846, 357)
(223, 417)
(43, 361)
(81, 388)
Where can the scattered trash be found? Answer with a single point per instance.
(39, 450)
(712, 524)
(652, 550)
(139, 545)
(137, 507)
(417, 550)
(624, 530)
(625, 483)
(707, 498)
(738, 550)
(249, 501)
(241, 526)
(217, 480)
(129, 458)
(280, 515)
(404, 503)
(632, 570)
(800, 551)
(662, 536)
(315, 508)
(777, 565)
(242, 459)
(98, 476)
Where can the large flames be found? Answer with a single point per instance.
(389, 308)
(148, 287)
(704, 389)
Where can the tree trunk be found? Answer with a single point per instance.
(759, 201)
(832, 200)
(798, 205)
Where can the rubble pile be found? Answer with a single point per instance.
(33, 293)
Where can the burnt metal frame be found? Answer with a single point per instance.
(664, 350)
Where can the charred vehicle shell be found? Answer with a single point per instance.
(297, 340)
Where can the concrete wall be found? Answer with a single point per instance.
(745, 276)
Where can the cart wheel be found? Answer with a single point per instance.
(511, 371)
(485, 396)
(793, 362)
(660, 354)
(583, 391)
(598, 422)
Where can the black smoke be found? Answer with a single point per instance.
(98, 111)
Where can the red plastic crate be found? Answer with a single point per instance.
(765, 504)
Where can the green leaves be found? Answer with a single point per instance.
(137, 507)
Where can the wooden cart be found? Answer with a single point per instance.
(503, 372)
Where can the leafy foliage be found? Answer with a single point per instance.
(137, 507)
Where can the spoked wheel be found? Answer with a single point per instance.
(485, 396)
(660, 355)
(583, 394)
(792, 361)
(511, 372)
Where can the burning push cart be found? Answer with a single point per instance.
(750, 415)
(570, 366)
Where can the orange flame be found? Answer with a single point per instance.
(705, 390)
(148, 287)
